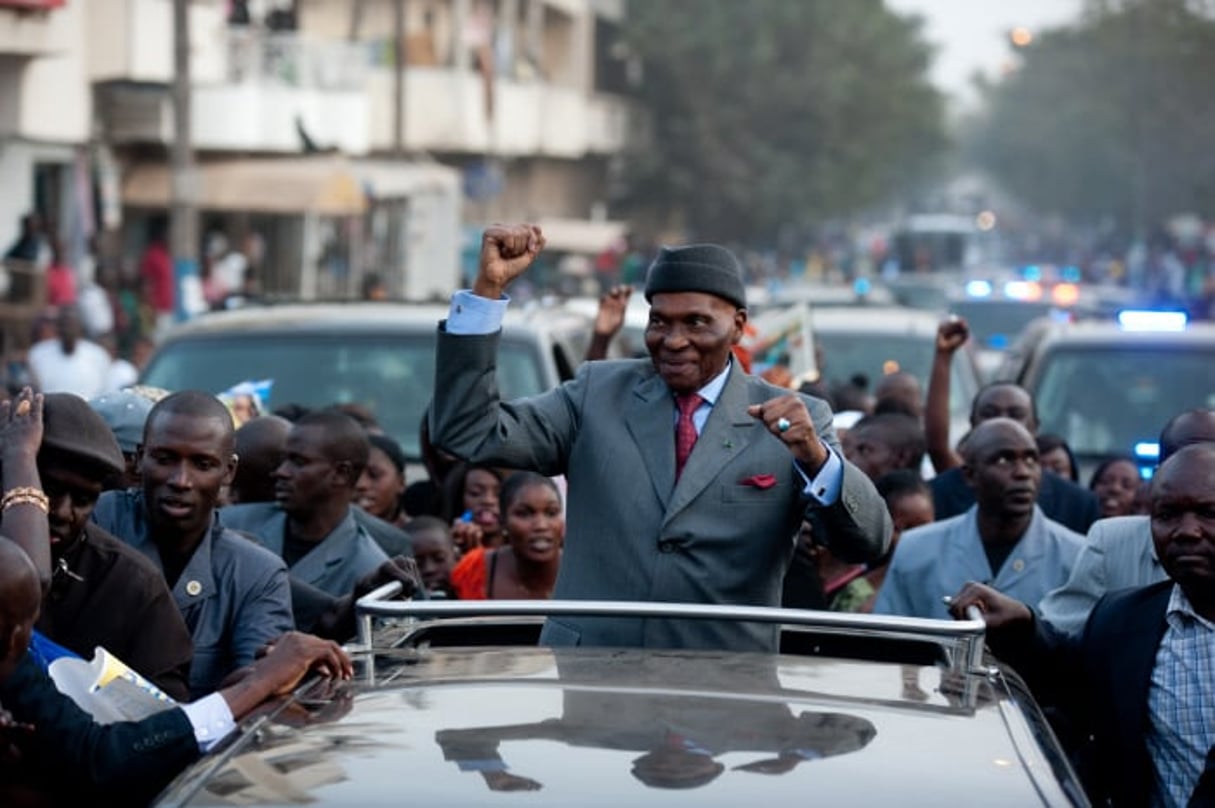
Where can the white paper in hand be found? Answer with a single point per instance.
(107, 689)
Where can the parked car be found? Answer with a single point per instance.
(1108, 389)
(380, 355)
(879, 340)
(466, 710)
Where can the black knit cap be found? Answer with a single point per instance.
(72, 428)
(704, 268)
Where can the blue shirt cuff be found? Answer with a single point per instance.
(472, 314)
(211, 719)
(488, 765)
(825, 487)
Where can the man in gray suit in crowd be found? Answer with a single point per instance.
(688, 478)
(1119, 553)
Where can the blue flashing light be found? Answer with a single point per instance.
(1145, 472)
(1070, 274)
(1147, 450)
(1141, 320)
(978, 288)
(997, 342)
(1033, 272)
(862, 287)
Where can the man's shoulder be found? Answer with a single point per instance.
(235, 550)
(249, 515)
(924, 542)
(1121, 531)
(1061, 533)
(1128, 610)
(948, 480)
(121, 558)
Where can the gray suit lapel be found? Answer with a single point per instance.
(728, 431)
(650, 418)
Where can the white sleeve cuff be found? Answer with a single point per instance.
(825, 487)
(211, 719)
(472, 314)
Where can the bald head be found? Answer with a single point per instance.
(903, 390)
(260, 445)
(1188, 428)
(995, 432)
(198, 405)
(20, 597)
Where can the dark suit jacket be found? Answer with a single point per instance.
(633, 531)
(125, 763)
(1100, 682)
(1060, 499)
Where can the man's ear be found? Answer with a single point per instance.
(230, 474)
(968, 474)
(345, 473)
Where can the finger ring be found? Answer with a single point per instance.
(23, 407)
(782, 425)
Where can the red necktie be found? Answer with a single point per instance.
(685, 429)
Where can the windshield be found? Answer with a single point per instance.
(996, 323)
(1103, 401)
(390, 374)
(846, 354)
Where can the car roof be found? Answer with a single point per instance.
(576, 721)
(431, 707)
(1109, 334)
(875, 319)
(353, 317)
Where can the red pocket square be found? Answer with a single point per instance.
(759, 481)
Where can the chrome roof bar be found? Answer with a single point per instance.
(961, 640)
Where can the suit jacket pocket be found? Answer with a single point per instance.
(739, 494)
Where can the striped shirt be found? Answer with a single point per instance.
(1181, 702)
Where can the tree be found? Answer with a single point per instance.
(769, 113)
(1109, 119)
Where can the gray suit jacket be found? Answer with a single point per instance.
(633, 533)
(333, 565)
(1118, 555)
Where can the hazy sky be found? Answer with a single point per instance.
(972, 34)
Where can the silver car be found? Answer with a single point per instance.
(464, 709)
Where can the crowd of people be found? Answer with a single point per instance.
(154, 525)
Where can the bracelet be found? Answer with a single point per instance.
(25, 495)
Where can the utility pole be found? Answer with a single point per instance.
(183, 213)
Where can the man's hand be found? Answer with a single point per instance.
(787, 418)
(287, 661)
(609, 319)
(506, 251)
(952, 334)
(999, 610)
(466, 536)
(400, 568)
(21, 424)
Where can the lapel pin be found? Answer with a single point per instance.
(1018, 565)
(729, 444)
(193, 588)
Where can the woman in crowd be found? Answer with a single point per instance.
(525, 566)
(1116, 482)
(470, 506)
(383, 481)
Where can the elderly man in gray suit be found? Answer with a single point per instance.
(688, 478)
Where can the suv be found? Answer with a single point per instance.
(380, 355)
(878, 340)
(1108, 390)
(465, 709)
